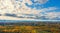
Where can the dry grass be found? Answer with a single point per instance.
(52, 28)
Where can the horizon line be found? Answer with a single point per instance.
(29, 21)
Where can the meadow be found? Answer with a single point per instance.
(30, 27)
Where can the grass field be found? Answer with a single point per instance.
(30, 27)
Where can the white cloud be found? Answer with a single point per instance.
(52, 15)
(10, 8)
(41, 1)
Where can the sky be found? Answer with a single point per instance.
(49, 3)
(30, 10)
(54, 6)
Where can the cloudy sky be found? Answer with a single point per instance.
(30, 9)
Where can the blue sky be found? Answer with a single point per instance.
(50, 3)
(36, 9)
